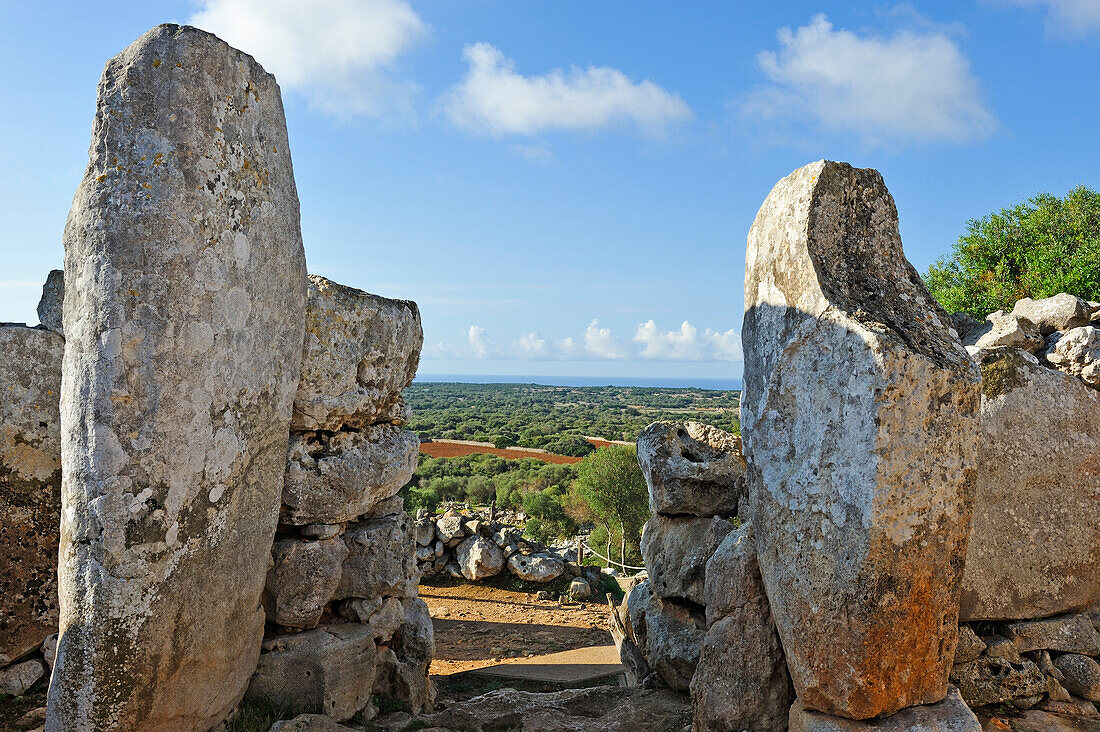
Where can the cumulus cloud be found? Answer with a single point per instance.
(1068, 17)
(912, 86)
(651, 343)
(340, 54)
(495, 99)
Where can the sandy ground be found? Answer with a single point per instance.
(479, 625)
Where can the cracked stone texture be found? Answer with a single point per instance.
(1034, 539)
(184, 319)
(741, 681)
(403, 666)
(302, 580)
(860, 422)
(381, 559)
(676, 550)
(361, 350)
(669, 633)
(333, 478)
(691, 468)
(1077, 353)
(949, 715)
(30, 487)
(51, 304)
(1060, 312)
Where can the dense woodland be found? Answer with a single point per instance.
(557, 418)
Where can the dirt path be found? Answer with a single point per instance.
(479, 625)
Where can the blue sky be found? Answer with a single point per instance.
(565, 188)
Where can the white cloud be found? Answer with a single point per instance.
(338, 53)
(913, 86)
(531, 346)
(600, 343)
(1068, 17)
(687, 344)
(494, 99)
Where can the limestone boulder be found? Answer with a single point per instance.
(302, 580)
(676, 550)
(1051, 314)
(337, 477)
(403, 665)
(383, 614)
(17, 678)
(184, 317)
(451, 528)
(536, 567)
(329, 670)
(361, 350)
(860, 419)
(949, 715)
(309, 723)
(969, 647)
(1082, 675)
(30, 487)
(381, 559)
(425, 532)
(51, 304)
(1005, 329)
(479, 558)
(1066, 634)
(1034, 541)
(733, 575)
(669, 633)
(1077, 353)
(988, 680)
(691, 468)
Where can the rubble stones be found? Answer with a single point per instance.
(969, 647)
(381, 559)
(302, 580)
(1077, 353)
(1050, 314)
(309, 723)
(1068, 634)
(536, 567)
(403, 666)
(478, 558)
(361, 350)
(30, 487)
(339, 477)
(1004, 329)
(16, 679)
(669, 633)
(676, 550)
(691, 468)
(184, 316)
(860, 424)
(1082, 675)
(949, 715)
(989, 680)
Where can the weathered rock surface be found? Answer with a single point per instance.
(1034, 539)
(403, 666)
(1077, 353)
(51, 304)
(1004, 329)
(361, 350)
(669, 633)
(30, 487)
(17, 678)
(536, 567)
(381, 559)
(1050, 314)
(741, 681)
(676, 550)
(949, 715)
(969, 647)
(302, 580)
(691, 468)
(860, 418)
(184, 308)
(451, 528)
(1082, 675)
(479, 558)
(338, 477)
(328, 670)
(992, 680)
(309, 723)
(1067, 633)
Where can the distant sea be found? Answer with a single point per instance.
(651, 382)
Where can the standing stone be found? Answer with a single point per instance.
(184, 317)
(859, 418)
(691, 468)
(30, 487)
(676, 551)
(1035, 540)
(361, 350)
(51, 305)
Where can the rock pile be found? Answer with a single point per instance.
(472, 546)
(344, 621)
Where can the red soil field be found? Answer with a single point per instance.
(449, 449)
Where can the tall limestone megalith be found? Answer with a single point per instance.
(859, 417)
(184, 317)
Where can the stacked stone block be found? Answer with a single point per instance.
(344, 619)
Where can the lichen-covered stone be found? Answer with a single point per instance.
(1034, 539)
(989, 680)
(1050, 314)
(329, 670)
(184, 318)
(669, 633)
(361, 350)
(1004, 329)
(1066, 633)
(741, 681)
(403, 666)
(302, 579)
(381, 559)
(949, 715)
(536, 567)
(859, 419)
(676, 550)
(479, 558)
(30, 487)
(691, 469)
(1077, 353)
(332, 478)
(51, 304)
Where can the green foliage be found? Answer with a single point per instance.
(611, 484)
(547, 517)
(1035, 249)
(258, 715)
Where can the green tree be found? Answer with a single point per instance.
(611, 483)
(1035, 249)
